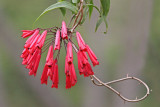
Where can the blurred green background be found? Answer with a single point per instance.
(131, 46)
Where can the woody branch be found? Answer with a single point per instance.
(98, 82)
(80, 11)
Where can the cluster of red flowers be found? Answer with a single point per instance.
(37, 43)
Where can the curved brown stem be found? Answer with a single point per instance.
(77, 16)
(71, 20)
(100, 83)
(79, 21)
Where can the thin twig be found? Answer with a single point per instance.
(77, 16)
(71, 20)
(79, 21)
(45, 46)
(100, 83)
(46, 43)
(49, 38)
(79, 12)
(74, 46)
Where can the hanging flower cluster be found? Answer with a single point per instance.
(37, 43)
(51, 39)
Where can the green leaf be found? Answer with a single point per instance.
(104, 9)
(100, 20)
(105, 21)
(98, 23)
(90, 8)
(105, 4)
(94, 7)
(63, 11)
(63, 4)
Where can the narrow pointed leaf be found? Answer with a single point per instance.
(63, 10)
(105, 4)
(98, 23)
(90, 8)
(94, 7)
(105, 21)
(63, 4)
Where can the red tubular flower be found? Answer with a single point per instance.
(92, 56)
(68, 83)
(49, 57)
(71, 77)
(33, 44)
(57, 41)
(49, 61)
(35, 67)
(27, 33)
(41, 40)
(69, 53)
(55, 79)
(49, 66)
(64, 31)
(66, 66)
(24, 62)
(44, 77)
(30, 39)
(31, 54)
(83, 64)
(81, 42)
(26, 58)
(73, 73)
(33, 62)
(24, 53)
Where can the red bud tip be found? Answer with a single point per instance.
(57, 41)
(64, 31)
